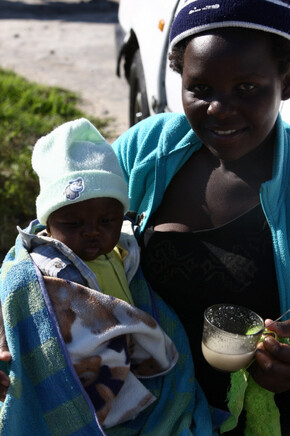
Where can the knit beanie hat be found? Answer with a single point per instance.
(74, 163)
(196, 16)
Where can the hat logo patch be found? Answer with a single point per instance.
(74, 188)
(194, 10)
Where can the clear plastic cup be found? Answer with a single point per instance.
(230, 336)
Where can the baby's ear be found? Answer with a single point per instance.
(48, 229)
(286, 85)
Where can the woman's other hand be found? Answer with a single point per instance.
(271, 369)
(5, 356)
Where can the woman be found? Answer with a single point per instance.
(211, 187)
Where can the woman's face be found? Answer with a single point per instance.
(231, 91)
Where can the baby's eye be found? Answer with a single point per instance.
(106, 220)
(71, 223)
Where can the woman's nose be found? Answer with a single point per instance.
(221, 107)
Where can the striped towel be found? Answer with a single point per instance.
(46, 397)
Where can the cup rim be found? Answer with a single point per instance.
(259, 332)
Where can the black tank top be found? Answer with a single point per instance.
(193, 270)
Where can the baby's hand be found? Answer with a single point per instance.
(271, 368)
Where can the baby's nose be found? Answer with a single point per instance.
(91, 230)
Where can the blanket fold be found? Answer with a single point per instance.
(110, 342)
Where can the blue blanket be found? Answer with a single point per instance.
(46, 397)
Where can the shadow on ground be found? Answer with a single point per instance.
(103, 11)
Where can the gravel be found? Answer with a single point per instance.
(70, 44)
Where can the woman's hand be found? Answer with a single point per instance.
(271, 369)
(5, 356)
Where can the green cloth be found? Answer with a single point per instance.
(109, 270)
(262, 414)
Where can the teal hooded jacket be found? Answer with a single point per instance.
(151, 153)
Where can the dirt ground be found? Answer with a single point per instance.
(70, 44)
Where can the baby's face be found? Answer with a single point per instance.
(89, 228)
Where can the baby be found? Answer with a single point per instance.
(85, 255)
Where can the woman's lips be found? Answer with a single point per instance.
(226, 134)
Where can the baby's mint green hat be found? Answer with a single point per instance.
(74, 163)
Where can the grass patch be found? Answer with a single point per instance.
(27, 112)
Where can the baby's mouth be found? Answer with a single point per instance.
(92, 247)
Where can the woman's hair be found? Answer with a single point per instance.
(280, 48)
(176, 56)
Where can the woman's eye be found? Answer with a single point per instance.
(198, 89)
(247, 87)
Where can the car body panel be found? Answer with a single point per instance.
(163, 86)
(153, 43)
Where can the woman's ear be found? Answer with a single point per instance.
(286, 85)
